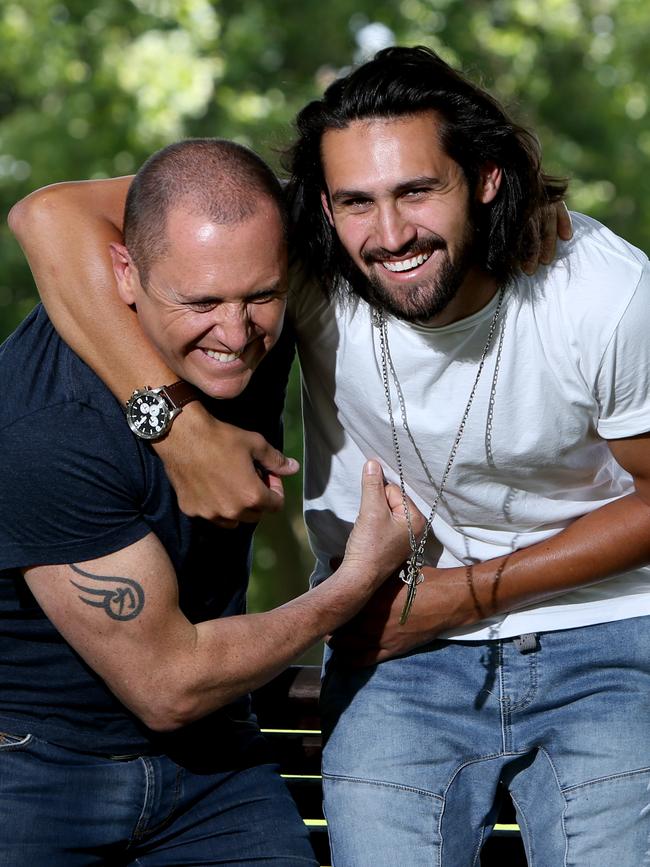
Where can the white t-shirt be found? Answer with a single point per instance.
(574, 371)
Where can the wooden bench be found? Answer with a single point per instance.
(287, 709)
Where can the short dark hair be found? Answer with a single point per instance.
(473, 129)
(217, 178)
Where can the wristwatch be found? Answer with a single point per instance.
(151, 411)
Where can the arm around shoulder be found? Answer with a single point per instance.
(65, 230)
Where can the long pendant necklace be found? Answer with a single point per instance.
(412, 574)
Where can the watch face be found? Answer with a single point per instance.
(148, 415)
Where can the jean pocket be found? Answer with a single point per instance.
(9, 741)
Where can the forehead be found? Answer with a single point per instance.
(229, 260)
(384, 151)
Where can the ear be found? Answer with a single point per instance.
(489, 183)
(126, 274)
(325, 202)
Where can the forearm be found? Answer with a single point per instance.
(609, 541)
(606, 542)
(218, 661)
(65, 231)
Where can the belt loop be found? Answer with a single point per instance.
(527, 642)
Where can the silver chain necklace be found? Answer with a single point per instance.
(412, 574)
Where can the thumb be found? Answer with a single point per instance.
(273, 461)
(372, 484)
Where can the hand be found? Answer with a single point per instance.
(556, 223)
(220, 472)
(379, 541)
(374, 634)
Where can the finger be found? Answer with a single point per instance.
(417, 518)
(269, 497)
(274, 484)
(346, 644)
(225, 523)
(273, 461)
(564, 223)
(549, 238)
(396, 505)
(394, 499)
(268, 500)
(360, 657)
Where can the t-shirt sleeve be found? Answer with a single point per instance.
(623, 379)
(71, 488)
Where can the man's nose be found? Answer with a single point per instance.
(394, 230)
(233, 326)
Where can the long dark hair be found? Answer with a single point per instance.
(473, 129)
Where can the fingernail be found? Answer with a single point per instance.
(372, 468)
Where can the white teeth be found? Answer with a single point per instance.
(406, 264)
(222, 356)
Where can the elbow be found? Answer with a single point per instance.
(171, 709)
(17, 218)
(165, 717)
(28, 213)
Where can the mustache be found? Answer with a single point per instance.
(421, 246)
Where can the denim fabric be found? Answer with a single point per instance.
(418, 745)
(62, 808)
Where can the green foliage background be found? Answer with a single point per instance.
(88, 88)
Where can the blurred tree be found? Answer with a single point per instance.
(89, 88)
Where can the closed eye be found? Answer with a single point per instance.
(201, 306)
(265, 297)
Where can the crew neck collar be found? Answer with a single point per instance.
(463, 324)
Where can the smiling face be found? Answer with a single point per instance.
(401, 208)
(214, 304)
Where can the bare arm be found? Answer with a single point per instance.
(606, 542)
(65, 230)
(121, 614)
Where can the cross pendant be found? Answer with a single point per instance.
(412, 576)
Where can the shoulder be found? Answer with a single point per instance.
(73, 473)
(39, 371)
(592, 301)
(596, 269)
(74, 485)
(586, 291)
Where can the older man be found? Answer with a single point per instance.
(125, 651)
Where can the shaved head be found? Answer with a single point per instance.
(214, 178)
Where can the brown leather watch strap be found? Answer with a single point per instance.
(179, 393)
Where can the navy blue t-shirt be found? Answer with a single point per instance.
(76, 485)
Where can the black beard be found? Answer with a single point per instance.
(419, 302)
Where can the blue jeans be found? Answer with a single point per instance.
(62, 808)
(417, 746)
